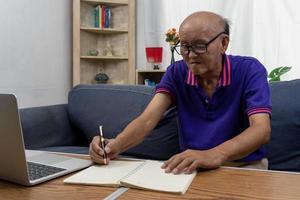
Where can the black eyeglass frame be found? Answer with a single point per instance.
(190, 48)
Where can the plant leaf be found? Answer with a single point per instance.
(274, 79)
(284, 70)
(275, 74)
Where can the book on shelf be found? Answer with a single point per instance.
(102, 16)
(141, 174)
(107, 17)
(96, 16)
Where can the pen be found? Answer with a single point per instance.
(102, 145)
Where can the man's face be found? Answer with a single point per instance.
(203, 49)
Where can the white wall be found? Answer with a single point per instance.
(266, 29)
(35, 53)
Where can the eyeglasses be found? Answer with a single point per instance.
(196, 48)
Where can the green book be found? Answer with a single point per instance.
(96, 16)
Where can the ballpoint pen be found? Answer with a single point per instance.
(102, 145)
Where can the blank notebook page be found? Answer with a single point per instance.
(106, 175)
(151, 176)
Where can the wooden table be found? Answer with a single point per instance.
(222, 183)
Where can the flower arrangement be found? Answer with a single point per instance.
(172, 37)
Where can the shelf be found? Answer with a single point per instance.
(103, 30)
(105, 57)
(152, 75)
(150, 71)
(107, 2)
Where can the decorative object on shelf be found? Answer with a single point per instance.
(172, 37)
(108, 50)
(93, 52)
(149, 82)
(154, 56)
(101, 78)
(276, 73)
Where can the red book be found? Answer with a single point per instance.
(103, 16)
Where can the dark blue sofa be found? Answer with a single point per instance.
(284, 145)
(70, 128)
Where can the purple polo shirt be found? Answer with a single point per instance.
(204, 123)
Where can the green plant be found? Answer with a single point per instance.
(276, 73)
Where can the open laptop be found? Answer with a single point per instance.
(27, 167)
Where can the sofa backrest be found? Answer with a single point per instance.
(114, 106)
(48, 126)
(284, 146)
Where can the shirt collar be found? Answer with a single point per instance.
(225, 76)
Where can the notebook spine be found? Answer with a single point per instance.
(135, 170)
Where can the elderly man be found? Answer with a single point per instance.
(223, 103)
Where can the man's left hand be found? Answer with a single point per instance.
(189, 160)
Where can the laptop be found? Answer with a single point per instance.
(28, 167)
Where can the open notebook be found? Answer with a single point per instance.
(145, 174)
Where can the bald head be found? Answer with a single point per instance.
(206, 22)
(202, 33)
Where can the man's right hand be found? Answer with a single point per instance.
(112, 149)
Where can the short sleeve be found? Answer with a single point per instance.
(257, 92)
(168, 83)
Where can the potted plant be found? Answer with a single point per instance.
(276, 73)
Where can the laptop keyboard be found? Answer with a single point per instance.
(37, 170)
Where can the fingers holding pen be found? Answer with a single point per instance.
(94, 153)
(112, 149)
(106, 148)
(95, 145)
(98, 147)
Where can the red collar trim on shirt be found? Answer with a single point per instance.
(225, 76)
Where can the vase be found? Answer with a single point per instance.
(172, 54)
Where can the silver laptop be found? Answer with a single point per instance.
(27, 167)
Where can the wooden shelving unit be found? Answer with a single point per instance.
(103, 30)
(107, 2)
(120, 38)
(104, 57)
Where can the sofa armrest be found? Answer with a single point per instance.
(49, 126)
(283, 149)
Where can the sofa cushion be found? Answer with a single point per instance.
(67, 149)
(48, 126)
(284, 145)
(114, 106)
